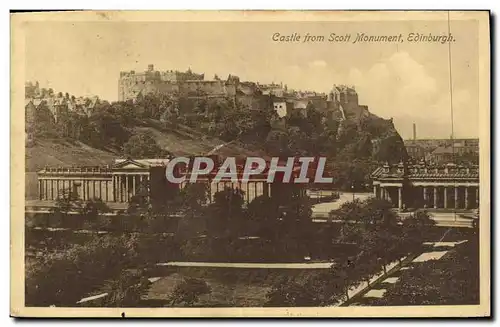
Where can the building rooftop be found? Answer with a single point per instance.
(144, 162)
(423, 171)
(443, 150)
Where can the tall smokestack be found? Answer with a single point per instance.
(414, 132)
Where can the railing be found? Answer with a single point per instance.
(76, 170)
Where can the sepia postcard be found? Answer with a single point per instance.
(250, 164)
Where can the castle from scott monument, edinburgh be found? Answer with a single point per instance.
(132, 85)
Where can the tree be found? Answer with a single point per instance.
(143, 145)
(93, 211)
(126, 291)
(373, 226)
(287, 293)
(67, 202)
(191, 203)
(225, 213)
(416, 227)
(451, 280)
(188, 291)
(43, 124)
(105, 129)
(263, 214)
(65, 277)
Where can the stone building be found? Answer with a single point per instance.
(441, 150)
(344, 95)
(132, 84)
(428, 186)
(57, 103)
(117, 184)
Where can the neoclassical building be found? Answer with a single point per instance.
(447, 186)
(118, 183)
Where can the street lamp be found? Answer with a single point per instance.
(352, 190)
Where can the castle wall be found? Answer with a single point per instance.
(131, 84)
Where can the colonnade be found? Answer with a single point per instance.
(251, 189)
(118, 188)
(126, 185)
(85, 188)
(434, 196)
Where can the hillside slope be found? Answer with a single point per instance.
(182, 141)
(64, 153)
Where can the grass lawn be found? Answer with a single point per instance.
(223, 294)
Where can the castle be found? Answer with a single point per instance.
(341, 101)
(132, 84)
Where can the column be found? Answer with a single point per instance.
(466, 197)
(114, 188)
(375, 191)
(251, 189)
(445, 197)
(107, 190)
(126, 187)
(133, 185)
(49, 189)
(424, 191)
(400, 197)
(53, 185)
(259, 189)
(435, 197)
(40, 191)
(45, 190)
(118, 188)
(93, 190)
(456, 197)
(477, 197)
(121, 187)
(142, 183)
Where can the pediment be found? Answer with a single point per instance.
(129, 164)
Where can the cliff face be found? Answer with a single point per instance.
(366, 135)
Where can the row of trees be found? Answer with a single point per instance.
(110, 264)
(371, 226)
(452, 280)
(63, 278)
(381, 238)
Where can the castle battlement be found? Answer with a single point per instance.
(132, 83)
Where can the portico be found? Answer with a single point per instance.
(421, 186)
(118, 183)
(128, 177)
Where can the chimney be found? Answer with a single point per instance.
(151, 67)
(414, 132)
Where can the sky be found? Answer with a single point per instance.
(409, 82)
